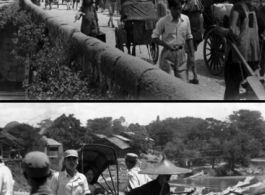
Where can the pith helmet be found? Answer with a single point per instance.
(165, 167)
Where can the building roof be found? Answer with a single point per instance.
(99, 135)
(122, 138)
(129, 133)
(51, 142)
(149, 139)
(121, 144)
(9, 139)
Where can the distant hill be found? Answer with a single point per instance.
(11, 124)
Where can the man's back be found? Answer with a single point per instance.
(136, 179)
(6, 180)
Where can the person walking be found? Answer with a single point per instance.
(75, 2)
(68, 4)
(69, 181)
(175, 31)
(243, 30)
(193, 9)
(89, 25)
(48, 2)
(6, 179)
(134, 179)
(112, 4)
(36, 169)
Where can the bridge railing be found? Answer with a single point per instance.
(120, 72)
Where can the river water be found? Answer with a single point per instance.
(218, 184)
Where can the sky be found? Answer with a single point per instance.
(141, 113)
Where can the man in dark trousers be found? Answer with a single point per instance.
(36, 169)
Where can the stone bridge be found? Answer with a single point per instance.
(138, 79)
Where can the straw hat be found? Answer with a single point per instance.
(165, 167)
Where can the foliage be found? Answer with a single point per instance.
(31, 140)
(52, 76)
(46, 123)
(118, 126)
(100, 126)
(68, 131)
(166, 130)
(54, 73)
(250, 122)
(9, 14)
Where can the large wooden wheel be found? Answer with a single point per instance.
(214, 52)
(154, 51)
(118, 39)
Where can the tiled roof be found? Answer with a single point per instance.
(121, 144)
(51, 142)
(122, 138)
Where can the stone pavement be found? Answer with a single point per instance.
(69, 16)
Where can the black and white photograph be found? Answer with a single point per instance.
(132, 149)
(132, 50)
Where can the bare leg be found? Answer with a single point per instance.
(193, 69)
(111, 21)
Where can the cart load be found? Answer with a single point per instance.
(220, 10)
(138, 10)
(139, 18)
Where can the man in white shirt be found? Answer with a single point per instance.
(6, 179)
(174, 28)
(134, 179)
(69, 181)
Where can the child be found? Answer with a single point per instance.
(175, 31)
(89, 25)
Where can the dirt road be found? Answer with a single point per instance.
(213, 86)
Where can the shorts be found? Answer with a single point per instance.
(111, 7)
(174, 63)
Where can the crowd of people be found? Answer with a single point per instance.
(179, 32)
(68, 181)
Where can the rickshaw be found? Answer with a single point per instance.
(214, 45)
(103, 161)
(138, 18)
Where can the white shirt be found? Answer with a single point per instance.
(173, 32)
(6, 180)
(135, 179)
(63, 184)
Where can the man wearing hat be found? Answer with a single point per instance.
(160, 185)
(69, 181)
(134, 179)
(6, 179)
(36, 169)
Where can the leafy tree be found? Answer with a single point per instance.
(249, 121)
(68, 131)
(166, 130)
(139, 139)
(240, 149)
(100, 126)
(46, 123)
(174, 149)
(31, 140)
(117, 125)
